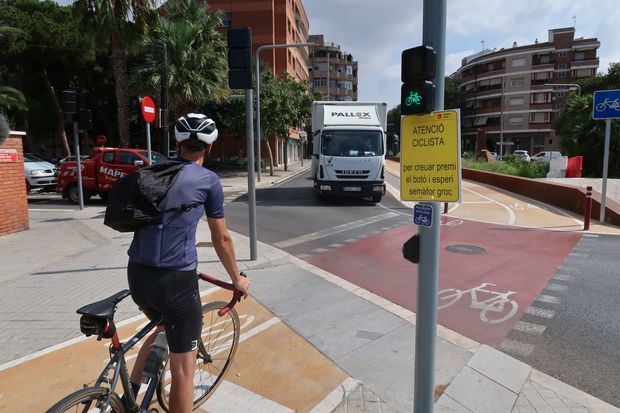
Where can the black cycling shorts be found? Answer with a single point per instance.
(172, 294)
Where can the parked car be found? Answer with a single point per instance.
(522, 154)
(39, 173)
(546, 156)
(72, 158)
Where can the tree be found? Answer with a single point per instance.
(117, 21)
(197, 56)
(582, 135)
(45, 61)
(11, 98)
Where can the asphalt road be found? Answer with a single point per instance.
(580, 344)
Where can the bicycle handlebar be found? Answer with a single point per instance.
(227, 286)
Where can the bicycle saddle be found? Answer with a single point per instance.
(104, 308)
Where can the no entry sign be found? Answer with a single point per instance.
(148, 109)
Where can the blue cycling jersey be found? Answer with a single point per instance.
(172, 244)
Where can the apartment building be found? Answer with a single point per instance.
(332, 72)
(272, 22)
(512, 94)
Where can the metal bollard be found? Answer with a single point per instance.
(588, 211)
(445, 208)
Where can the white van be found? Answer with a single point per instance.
(545, 156)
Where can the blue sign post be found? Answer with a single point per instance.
(606, 106)
(423, 215)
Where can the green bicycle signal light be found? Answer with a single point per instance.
(417, 97)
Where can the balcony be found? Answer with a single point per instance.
(588, 61)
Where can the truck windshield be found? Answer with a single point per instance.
(154, 156)
(353, 143)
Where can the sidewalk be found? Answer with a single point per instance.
(368, 337)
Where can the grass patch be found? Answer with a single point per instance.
(513, 167)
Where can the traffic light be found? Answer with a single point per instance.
(69, 104)
(418, 69)
(85, 119)
(240, 58)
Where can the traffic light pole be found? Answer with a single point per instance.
(78, 170)
(249, 129)
(433, 35)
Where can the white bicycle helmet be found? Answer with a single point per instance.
(195, 126)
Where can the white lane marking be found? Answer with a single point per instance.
(348, 241)
(320, 250)
(575, 254)
(590, 235)
(333, 399)
(540, 312)
(52, 210)
(335, 245)
(529, 328)
(563, 277)
(511, 214)
(544, 298)
(304, 256)
(259, 328)
(334, 230)
(556, 287)
(516, 347)
(230, 397)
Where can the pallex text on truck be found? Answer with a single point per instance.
(100, 171)
(348, 149)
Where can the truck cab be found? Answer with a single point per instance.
(349, 145)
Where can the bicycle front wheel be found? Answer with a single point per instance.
(219, 339)
(89, 399)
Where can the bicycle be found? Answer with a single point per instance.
(487, 307)
(98, 319)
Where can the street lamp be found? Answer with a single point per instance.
(572, 85)
(260, 49)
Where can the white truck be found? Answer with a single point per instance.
(348, 149)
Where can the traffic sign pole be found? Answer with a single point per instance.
(148, 142)
(605, 169)
(78, 165)
(433, 35)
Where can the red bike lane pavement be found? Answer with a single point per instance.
(520, 260)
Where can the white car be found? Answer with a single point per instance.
(546, 156)
(522, 154)
(39, 173)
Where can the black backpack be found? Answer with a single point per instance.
(134, 200)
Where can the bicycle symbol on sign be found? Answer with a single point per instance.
(422, 220)
(608, 103)
(493, 310)
(413, 98)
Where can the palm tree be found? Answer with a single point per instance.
(11, 98)
(117, 21)
(197, 67)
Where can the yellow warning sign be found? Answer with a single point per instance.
(430, 163)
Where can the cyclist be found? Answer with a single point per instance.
(163, 259)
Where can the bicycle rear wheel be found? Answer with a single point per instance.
(220, 336)
(88, 399)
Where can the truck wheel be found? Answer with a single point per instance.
(376, 199)
(73, 194)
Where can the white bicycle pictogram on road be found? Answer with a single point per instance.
(493, 310)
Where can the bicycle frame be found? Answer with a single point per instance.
(118, 350)
(119, 365)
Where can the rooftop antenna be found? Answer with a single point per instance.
(574, 22)
(482, 43)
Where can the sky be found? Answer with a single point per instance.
(376, 32)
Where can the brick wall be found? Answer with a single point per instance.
(13, 198)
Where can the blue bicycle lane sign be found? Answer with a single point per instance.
(606, 104)
(423, 215)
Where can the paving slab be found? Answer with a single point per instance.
(480, 394)
(501, 368)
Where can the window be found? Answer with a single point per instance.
(562, 66)
(108, 157)
(517, 82)
(583, 72)
(480, 121)
(518, 62)
(561, 74)
(320, 66)
(469, 86)
(349, 70)
(468, 123)
(562, 54)
(515, 120)
(516, 101)
(580, 56)
(321, 81)
(559, 106)
(540, 97)
(540, 117)
(127, 158)
(560, 94)
(351, 143)
(539, 141)
(226, 19)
